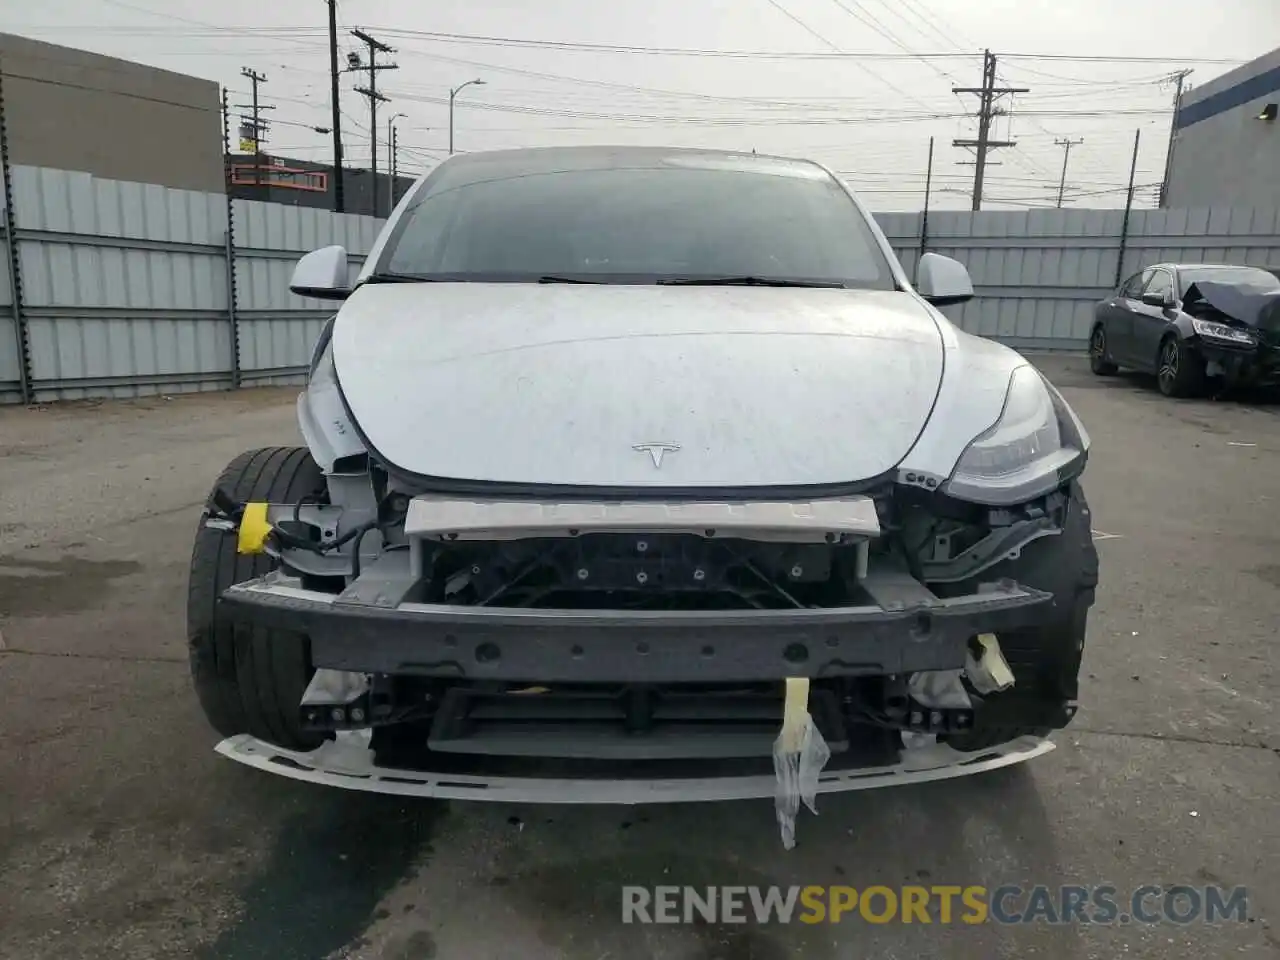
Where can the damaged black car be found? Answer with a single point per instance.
(1199, 328)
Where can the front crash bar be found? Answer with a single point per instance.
(905, 631)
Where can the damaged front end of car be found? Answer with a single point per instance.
(1237, 329)
(617, 641)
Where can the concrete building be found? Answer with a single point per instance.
(1226, 145)
(73, 110)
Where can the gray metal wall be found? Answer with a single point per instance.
(1222, 152)
(126, 286)
(1038, 273)
(126, 289)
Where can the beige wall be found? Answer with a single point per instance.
(73, 110)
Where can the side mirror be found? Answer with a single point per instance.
(943, 281)
(322, 274)
(1157, 299)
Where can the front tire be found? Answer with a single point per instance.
(1099, 358)
(1179, 371)
(249, 679)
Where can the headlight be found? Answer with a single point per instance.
(1220, 331)
(1033, 447)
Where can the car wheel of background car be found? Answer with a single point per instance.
(1045, 659)
(1179, 371)
(1098, 361)
(249, 679)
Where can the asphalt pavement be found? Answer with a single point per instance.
(123, 834)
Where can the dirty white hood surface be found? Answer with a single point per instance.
(558, 384)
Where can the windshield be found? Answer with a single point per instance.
(1251, 275)
(626, 221)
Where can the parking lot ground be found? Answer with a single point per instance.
(122, 834)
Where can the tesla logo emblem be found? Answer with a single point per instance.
(656, 451)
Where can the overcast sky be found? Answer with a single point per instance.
(869, 118)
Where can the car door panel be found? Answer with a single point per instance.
(1120, 313)
(1150, 322)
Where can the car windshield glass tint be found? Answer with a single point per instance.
(639, 223)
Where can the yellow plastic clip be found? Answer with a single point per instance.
(795, 709)
(254, 529)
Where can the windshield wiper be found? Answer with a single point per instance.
(387, 277)
(551, 278)
(746, 282)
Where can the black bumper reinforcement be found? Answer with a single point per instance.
(636, 646)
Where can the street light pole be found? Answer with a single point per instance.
(453, 93)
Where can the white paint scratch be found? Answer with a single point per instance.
(1223, 688)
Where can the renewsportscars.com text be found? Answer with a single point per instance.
(942, 904)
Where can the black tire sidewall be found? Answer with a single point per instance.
(1098, 361)
(249, 679)
(1190, 378)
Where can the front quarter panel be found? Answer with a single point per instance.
(975, 381)
(322, 416)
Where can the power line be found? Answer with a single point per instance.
(861, 66)
(862, 15)
(935, 22)
(579, 46)
(609, 85)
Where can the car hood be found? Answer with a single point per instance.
(627, 386)
(1252, 304)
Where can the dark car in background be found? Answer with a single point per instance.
(1191, 324)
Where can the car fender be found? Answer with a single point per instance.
(323, 420)
(975, 381)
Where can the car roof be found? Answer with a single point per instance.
(1213, 266)
(533, 159)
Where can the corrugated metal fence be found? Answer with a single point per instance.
(130, 289)
(1038, 273)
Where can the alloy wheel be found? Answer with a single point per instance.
(1169, 358)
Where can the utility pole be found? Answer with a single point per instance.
(924, 216)
(987, 95)
(339, 201)
(371, 91)
(1178, 77)
(1066, 143)
(391, 161)
(1128, 209)
(257, 124)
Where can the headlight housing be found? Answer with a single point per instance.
(1036, 445)
(1212, 330)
